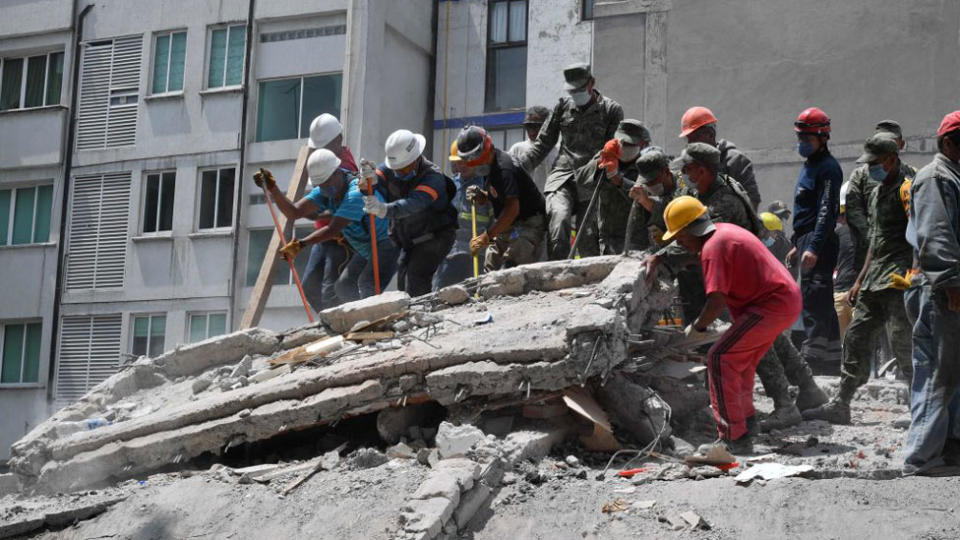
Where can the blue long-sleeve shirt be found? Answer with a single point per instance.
(816, 200)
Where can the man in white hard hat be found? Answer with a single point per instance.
(423, 220)
(337, 191)
(327, 259)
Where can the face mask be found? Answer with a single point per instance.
(686, 179)
(877, 172)
(406, 177)
(768, 241)
(629, 153)
(655, 190)
(481, 170)
(805, 148)
(580, 98)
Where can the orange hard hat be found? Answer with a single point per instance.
(812, 120)
(694, 119)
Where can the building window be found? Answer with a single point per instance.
(169, 53)
(207, 325)
(506, 86)
(257, 250)
(25, 215)
(287, 106)
(216, 198)
(33, 81)
(148, 334)
(109, 92)
(225, 65)
(20, 360)
(587, 11)
(158, 202)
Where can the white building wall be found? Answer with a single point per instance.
(31, 151)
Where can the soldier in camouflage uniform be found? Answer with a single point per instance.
(879, 297)
(613, 200)
(657, 186)
(858, 195)
(583, 122)
(728, 202)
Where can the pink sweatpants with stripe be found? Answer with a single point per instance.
(732, 363)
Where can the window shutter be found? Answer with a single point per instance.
(108, 67)
(97, 241)
(122, 121)
(89, 352)
(94, 96)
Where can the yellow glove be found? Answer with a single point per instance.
(900, 282)
(479, 242)
(289, 251)
(264, 179)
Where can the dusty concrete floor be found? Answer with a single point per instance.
(550, 500)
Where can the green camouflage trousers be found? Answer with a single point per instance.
(874, 310)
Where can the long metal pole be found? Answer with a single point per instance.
(293, 269)
(586, 215)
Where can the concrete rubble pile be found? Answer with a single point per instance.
(526, 335)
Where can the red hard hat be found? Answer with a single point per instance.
(694, 119)
(949, 123)
(812, 120)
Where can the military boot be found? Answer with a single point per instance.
(782, 417)
(810, 395)
(836, 411)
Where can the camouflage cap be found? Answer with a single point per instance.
(576, 76)
(697, 152)
(877, 146)
(536, 115)
(632, 132)
(649, 165)
(889, 126)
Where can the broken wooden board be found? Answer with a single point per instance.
(582, 403)
(369, 336)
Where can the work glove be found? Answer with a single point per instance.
(368, 173)
(264, 179)
(373, 205)
(479, 242)
(476, 195)
(291, 249)
(610, 158)
(901, 283)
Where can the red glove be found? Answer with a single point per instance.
(610, 157)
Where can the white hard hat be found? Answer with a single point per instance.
(321, 164)
(403, 147)
(324, 129)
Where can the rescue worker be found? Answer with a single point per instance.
(933, 441)
(657, 186)
(780, 209)
(458, 264)
(773, 236)
(582, 122)
(877, 293)
(815, 208)
(533, 122)
(846, 274)
(699, 124)
(742, 276)
(423, 221)
(327, 259)
(338, 191)
(519, 214)
(617, 159)
(859, 188)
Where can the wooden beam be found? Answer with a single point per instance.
(261, 290)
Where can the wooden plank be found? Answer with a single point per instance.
(369, 336)
(261, 290)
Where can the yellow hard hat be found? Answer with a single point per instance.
(771, 222)
(454, 156)
(681, 212)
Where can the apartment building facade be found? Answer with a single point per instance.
(177, 103)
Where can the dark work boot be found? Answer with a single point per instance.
(810, 395)
(782, 417)
(741, 446)
(836, 411)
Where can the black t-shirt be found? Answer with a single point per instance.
(508, 180)
(846, 272)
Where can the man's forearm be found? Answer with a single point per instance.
(711, 310)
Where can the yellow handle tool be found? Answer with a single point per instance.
(476, 258)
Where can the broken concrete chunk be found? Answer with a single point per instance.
(453, 295)
(342, 318)
(243, 368)
(427, 515)
(401, 451)
(455, 441)
(368, 458)
(440, 483)
(200, 384)
(196, 357)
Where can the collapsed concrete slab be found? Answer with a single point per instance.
(522, 332)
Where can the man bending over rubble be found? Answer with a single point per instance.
(741, 275)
